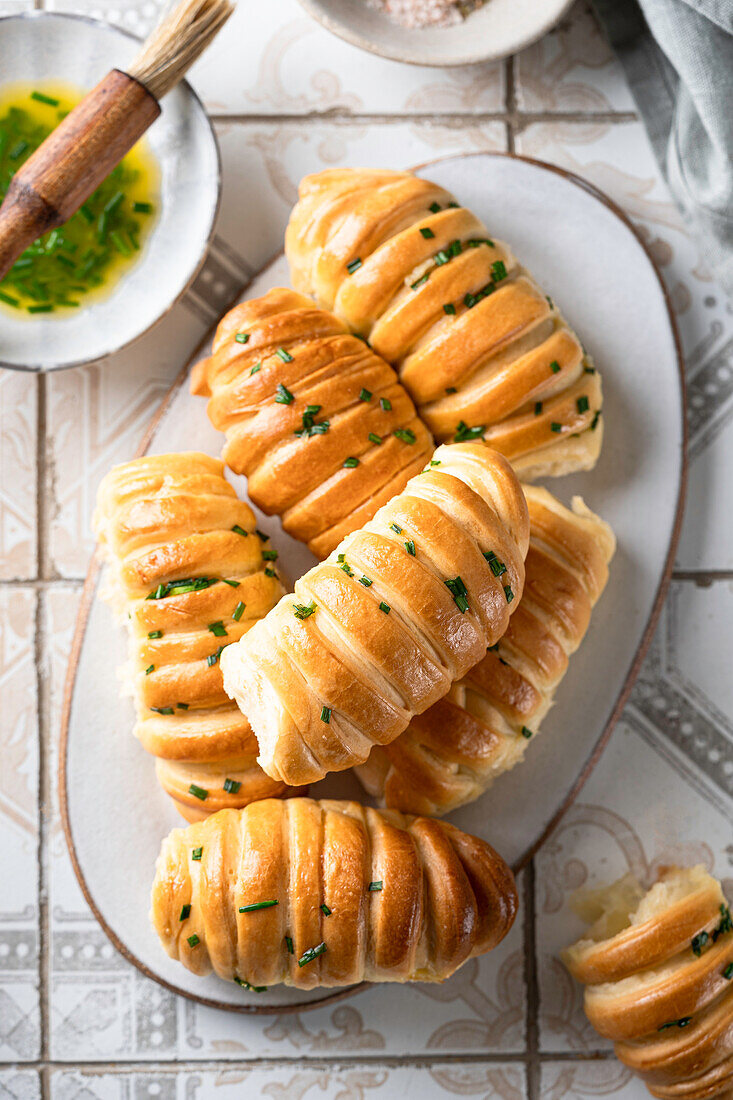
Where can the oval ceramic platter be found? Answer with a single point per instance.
(586, 256)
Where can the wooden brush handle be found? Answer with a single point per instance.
(73, 161)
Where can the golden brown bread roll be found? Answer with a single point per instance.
(452, 752)
(188, 578)
(319, 424)
(478, 346)
(326, 894)
(658, 968)
(379, 631)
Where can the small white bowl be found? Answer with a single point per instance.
(497, 29)
(37, 46)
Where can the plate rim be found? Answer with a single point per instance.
(355, 38)
(593, 757)
(80, 17)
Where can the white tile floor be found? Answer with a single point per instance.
(76, 1021)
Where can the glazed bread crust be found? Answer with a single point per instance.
(173, 518)
(378, 632)
(476, 343)
(362, 895)
(298, 398)
(450, 754)
(660, 968)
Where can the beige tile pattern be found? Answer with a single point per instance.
(18, 463)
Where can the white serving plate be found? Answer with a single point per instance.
(75, 49)
(587, 257)
(496, 29)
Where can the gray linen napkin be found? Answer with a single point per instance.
(678, 58)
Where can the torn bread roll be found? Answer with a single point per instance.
(380, 630)
(481, 349)
(452, 753)
(319, 424)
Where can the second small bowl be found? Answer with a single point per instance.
(41, 46)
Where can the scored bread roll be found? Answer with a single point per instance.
(189, 575)
(379, 631)
(318, 423)
(451, 753)
(477, 344)
(326, 894)
(658, 970)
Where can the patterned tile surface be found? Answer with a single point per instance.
(293, 99)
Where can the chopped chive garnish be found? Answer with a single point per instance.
(458, 591)
(419, 282)
(682, 1022)
(464, 433)
(441, 257)
(325, 910)
(550, 302)
(283, 395)
(537, 408)
(185, 912)
(196, 854)
(18, 150)
(434, 207)
(410, 548)
(449, 308)
(9, 299)
(180, 588)
(426, 232)
(365, 395)
(255, 368)
(257, 905)
(498, 270)
(284, 355)
(555, 366)
(589, 370)
(217, 629)
(193, 941)
(303, 610)
(41, 309)
(374, 438)
(594, 421)
(326, 714)
(396, 528)
(496, 564)
(182, 706)
(376, 885)
(41, 98)
(582, 404)
(162, 710)
(142, 207)
(241, 337)
(198, 792)
(269, 555)
(476, 242)
(435, 462)
(353, 266)
(311, 954)
(240, 531)
(149, 669)
(526, 732)
(248, 987)
(451, 389)
(384, 607)
(508, 593)
(155, 634)
(214, 657)
(269, 572)
(385, 404)
(351, 463)
(121, 246)
(366, 582)
(238, 610)
(698, 942)
(405, 435)
(231, 786)
(232, 584)
(289, 945)
(555, 427)
(728, 972)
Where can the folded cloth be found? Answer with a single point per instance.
(678, 58)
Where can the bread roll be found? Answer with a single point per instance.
(477, 344)
(328, 894)
(452, 752)
(317, 422)
(188, 577)
(379, 631)
(658, 968)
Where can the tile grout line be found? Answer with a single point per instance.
(513, 117)
(531, 983)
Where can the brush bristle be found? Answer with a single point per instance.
(181, 36)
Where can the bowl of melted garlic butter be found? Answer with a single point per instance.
(90, 287)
